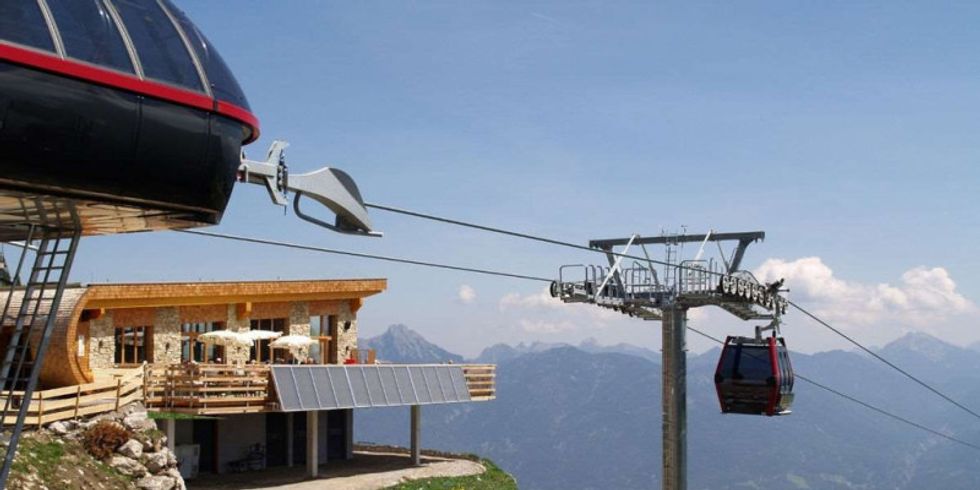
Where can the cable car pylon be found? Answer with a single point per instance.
(665, 290)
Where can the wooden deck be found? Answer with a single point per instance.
(198, 389)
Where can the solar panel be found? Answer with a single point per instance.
(302, 388)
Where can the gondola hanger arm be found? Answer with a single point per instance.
(331, 187)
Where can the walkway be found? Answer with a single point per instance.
(367, 471)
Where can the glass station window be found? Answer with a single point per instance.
(89, 34)
(161, 50)
(223, 83)
(21, 22)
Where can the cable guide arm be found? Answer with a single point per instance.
(331, 187)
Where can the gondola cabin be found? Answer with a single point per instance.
(754, 376)
(122, 107)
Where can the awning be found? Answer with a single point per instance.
(303, 388)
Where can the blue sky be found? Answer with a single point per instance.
(848, 132)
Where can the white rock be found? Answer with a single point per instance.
(156, 483)
(59, 428)
(127, 466)
(139, 421)
(131, 449)
(156, 462)
(178, 479)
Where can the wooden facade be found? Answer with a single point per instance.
(148, 319)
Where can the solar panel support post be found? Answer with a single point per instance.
(674, 398)
(312, 443)
(416, 415)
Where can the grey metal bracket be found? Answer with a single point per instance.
(331, 187)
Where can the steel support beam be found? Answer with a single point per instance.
(674, 398)
(416, 435)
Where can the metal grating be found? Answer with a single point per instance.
(302, 388)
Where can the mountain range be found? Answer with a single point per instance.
(589, 417)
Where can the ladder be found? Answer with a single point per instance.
(30, 313)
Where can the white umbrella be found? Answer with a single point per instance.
(253, 335)
(225, 338)
(294, 343)
(256, 335)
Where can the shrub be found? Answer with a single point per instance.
(103, 438)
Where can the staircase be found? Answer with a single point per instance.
(30, 312)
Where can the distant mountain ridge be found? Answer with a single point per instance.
(568, 418)
(504, 352)
(400, 344)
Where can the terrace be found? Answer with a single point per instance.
(219, 389)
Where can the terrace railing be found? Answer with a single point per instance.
(208, 388)
(124, 387)
(481, 380)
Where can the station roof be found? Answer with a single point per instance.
(142, 295)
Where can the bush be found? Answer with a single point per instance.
(103, 438)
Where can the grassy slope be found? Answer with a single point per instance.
(61, 464)
(493, 479)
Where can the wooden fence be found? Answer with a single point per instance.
(481, 381)
(75, 401)
(208, 388)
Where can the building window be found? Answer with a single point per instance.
(134, 345)
(89, 34)
(23, 23)
(158, 43)
(272, 324)
(192, 350)
(323, 328)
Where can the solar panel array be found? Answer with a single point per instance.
(302, 388)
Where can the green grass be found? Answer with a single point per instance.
(493, 479)
(36, 456)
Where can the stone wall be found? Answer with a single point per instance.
(102, 349)
(346, 333)
(299, 323)
(166, 335)
(235, 324)
(167, 323)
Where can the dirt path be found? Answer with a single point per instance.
(367, 471)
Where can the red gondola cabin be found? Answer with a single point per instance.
(754, 376)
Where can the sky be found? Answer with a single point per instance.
(847, 131)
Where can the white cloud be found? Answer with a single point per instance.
(923, 295)
(466, 294)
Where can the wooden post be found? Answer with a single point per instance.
(312, 443)
(40, 408)
(78, 398)
(118, 391)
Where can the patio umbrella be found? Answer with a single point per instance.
(226, 338)
(255, 336)
(294, 343)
